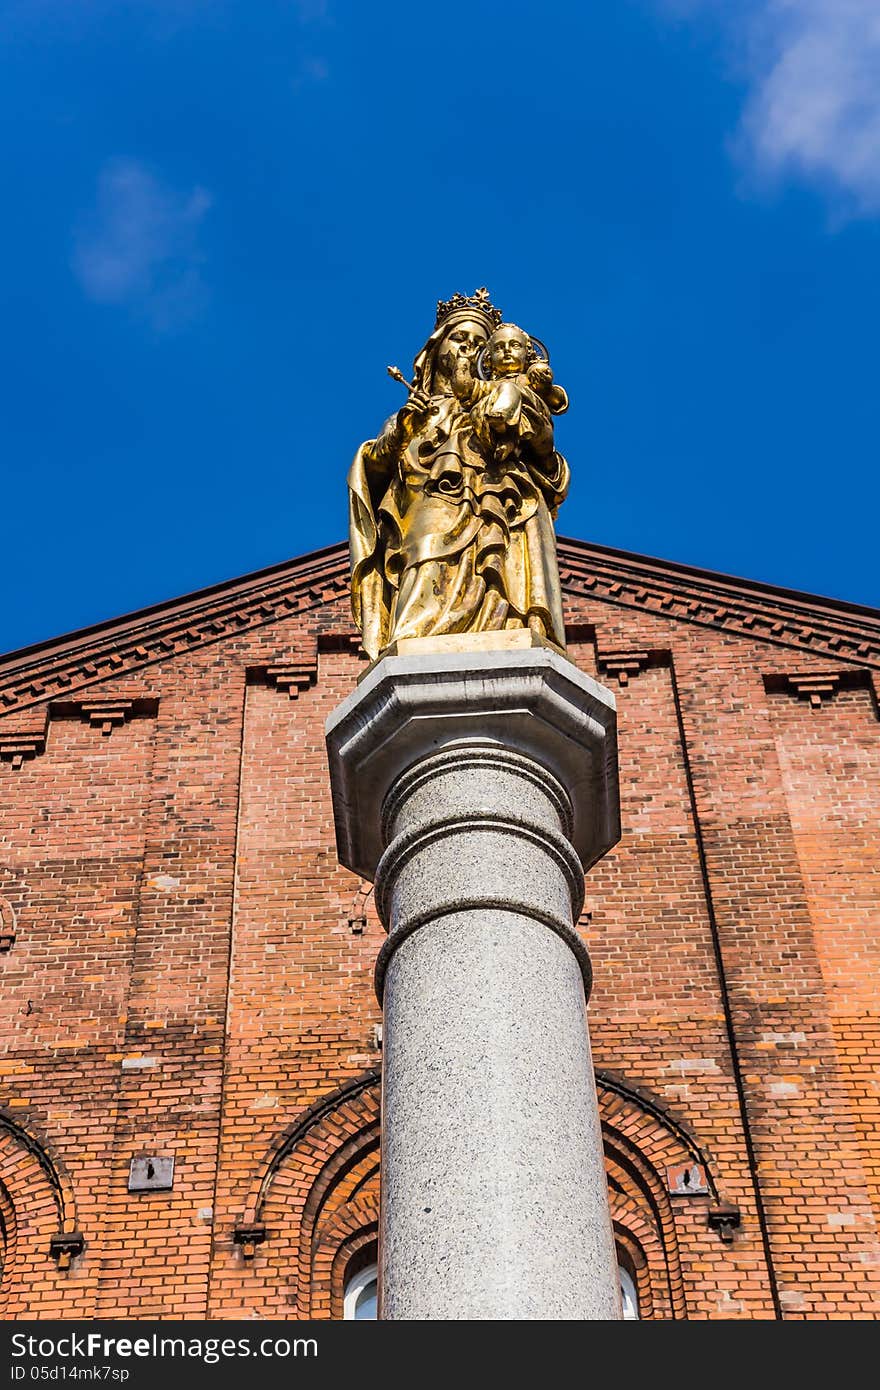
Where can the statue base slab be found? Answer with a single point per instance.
(505, 640)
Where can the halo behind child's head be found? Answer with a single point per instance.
(537, 350)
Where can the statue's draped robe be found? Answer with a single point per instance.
(443, 541)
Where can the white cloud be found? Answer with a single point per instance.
(813, 105)
(815, 111)
(138, 247)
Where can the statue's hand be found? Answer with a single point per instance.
(413, 412)
(419, 401)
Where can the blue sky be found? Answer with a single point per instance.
(222, 221)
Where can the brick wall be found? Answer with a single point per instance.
(188, 971)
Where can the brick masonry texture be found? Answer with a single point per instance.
(188, 970)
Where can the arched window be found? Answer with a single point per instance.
(628, 1295)
(361, 1295)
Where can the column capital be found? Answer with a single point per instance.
(524, 696)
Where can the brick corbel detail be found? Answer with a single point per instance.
(301, 673)
(725, 1218)
(15, 748)
(337, 640)
(64, 1245)
(817, 687)
(292, 676)
(106, 712)
(107, 715)
(626, 664)
(623, 665)
(20, 741)
(248, 1234)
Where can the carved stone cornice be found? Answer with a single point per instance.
(54, 670)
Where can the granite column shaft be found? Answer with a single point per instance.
(491, 795)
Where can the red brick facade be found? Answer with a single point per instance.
(187, 969)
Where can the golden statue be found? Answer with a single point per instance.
(452, 506)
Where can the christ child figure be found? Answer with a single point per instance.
(514, 406)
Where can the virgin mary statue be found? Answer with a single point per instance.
(450, 531)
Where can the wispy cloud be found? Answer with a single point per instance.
(813, 105)
(138, 246)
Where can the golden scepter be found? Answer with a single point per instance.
(398, 376)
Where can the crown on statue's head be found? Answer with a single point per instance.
(476, 305)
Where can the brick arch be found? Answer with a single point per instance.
(650, 1127)
(354, 1233)
(316, 1196)
(641, 1140)
(631, 1253)
(643, 1210)
(7, 924)
(8, 1246)
(642, 1248)
(343, 1190)
(320, 1116)
(38, 1219)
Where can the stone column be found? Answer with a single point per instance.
(475, 779)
